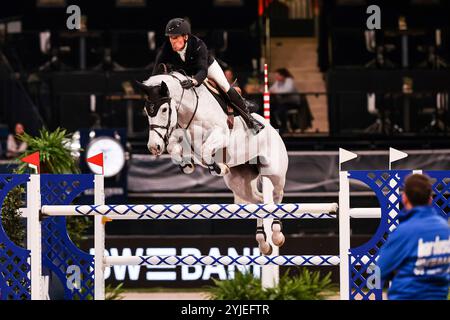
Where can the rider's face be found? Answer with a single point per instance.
(178, 42)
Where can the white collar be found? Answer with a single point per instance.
(182, 53)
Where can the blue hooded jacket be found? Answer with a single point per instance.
(416, 256)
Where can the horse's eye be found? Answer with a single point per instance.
(164, 109)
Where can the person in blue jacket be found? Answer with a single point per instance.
(416, 256)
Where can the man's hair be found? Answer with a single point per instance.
(418, 189)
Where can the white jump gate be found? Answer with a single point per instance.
(104, 212)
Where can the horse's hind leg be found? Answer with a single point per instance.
(278, 237)
(264, 246)
(278, 183)
(261, 237)
(242, 180)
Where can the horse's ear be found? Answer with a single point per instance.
(164, 91)
(145, 89)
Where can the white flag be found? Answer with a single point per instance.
(345, 155)
(395, 155)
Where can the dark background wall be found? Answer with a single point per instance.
(342, 25)
(104, 14)
(62, 97)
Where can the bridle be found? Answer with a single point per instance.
(154, 127)
(168, 125)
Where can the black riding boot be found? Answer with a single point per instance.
(241, 107)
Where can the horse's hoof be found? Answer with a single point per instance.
(265, 248)
(268, 251)
(278, 239)
(188, 168)
(218, 169)
(224, 169)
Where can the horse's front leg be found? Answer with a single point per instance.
(218, 139)
(176, 151)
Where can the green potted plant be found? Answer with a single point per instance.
(306, 285)
(55, 157)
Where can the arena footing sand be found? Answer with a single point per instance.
(164, 296)
(180, 296)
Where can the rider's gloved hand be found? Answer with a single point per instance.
(188, 84)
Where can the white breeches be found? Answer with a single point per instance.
(215, 73)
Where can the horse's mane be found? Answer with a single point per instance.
(172, 81)
(168, 78)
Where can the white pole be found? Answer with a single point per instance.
(344, 235)
(365, 213)
(344, 224)
(269, 274)
(34, 233)
(99, 241)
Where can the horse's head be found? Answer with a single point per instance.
(162, 116)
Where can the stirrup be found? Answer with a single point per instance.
(256, 126)
(251, 106)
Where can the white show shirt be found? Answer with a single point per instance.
(182, 53)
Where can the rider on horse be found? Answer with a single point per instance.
(189, 53)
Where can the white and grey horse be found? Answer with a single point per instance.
(192, 127)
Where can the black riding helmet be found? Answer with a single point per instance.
(178, 26)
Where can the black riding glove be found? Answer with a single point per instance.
(187, 84)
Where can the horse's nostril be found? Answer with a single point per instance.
(158, 147)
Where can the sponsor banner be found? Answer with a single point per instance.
(314, 172)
